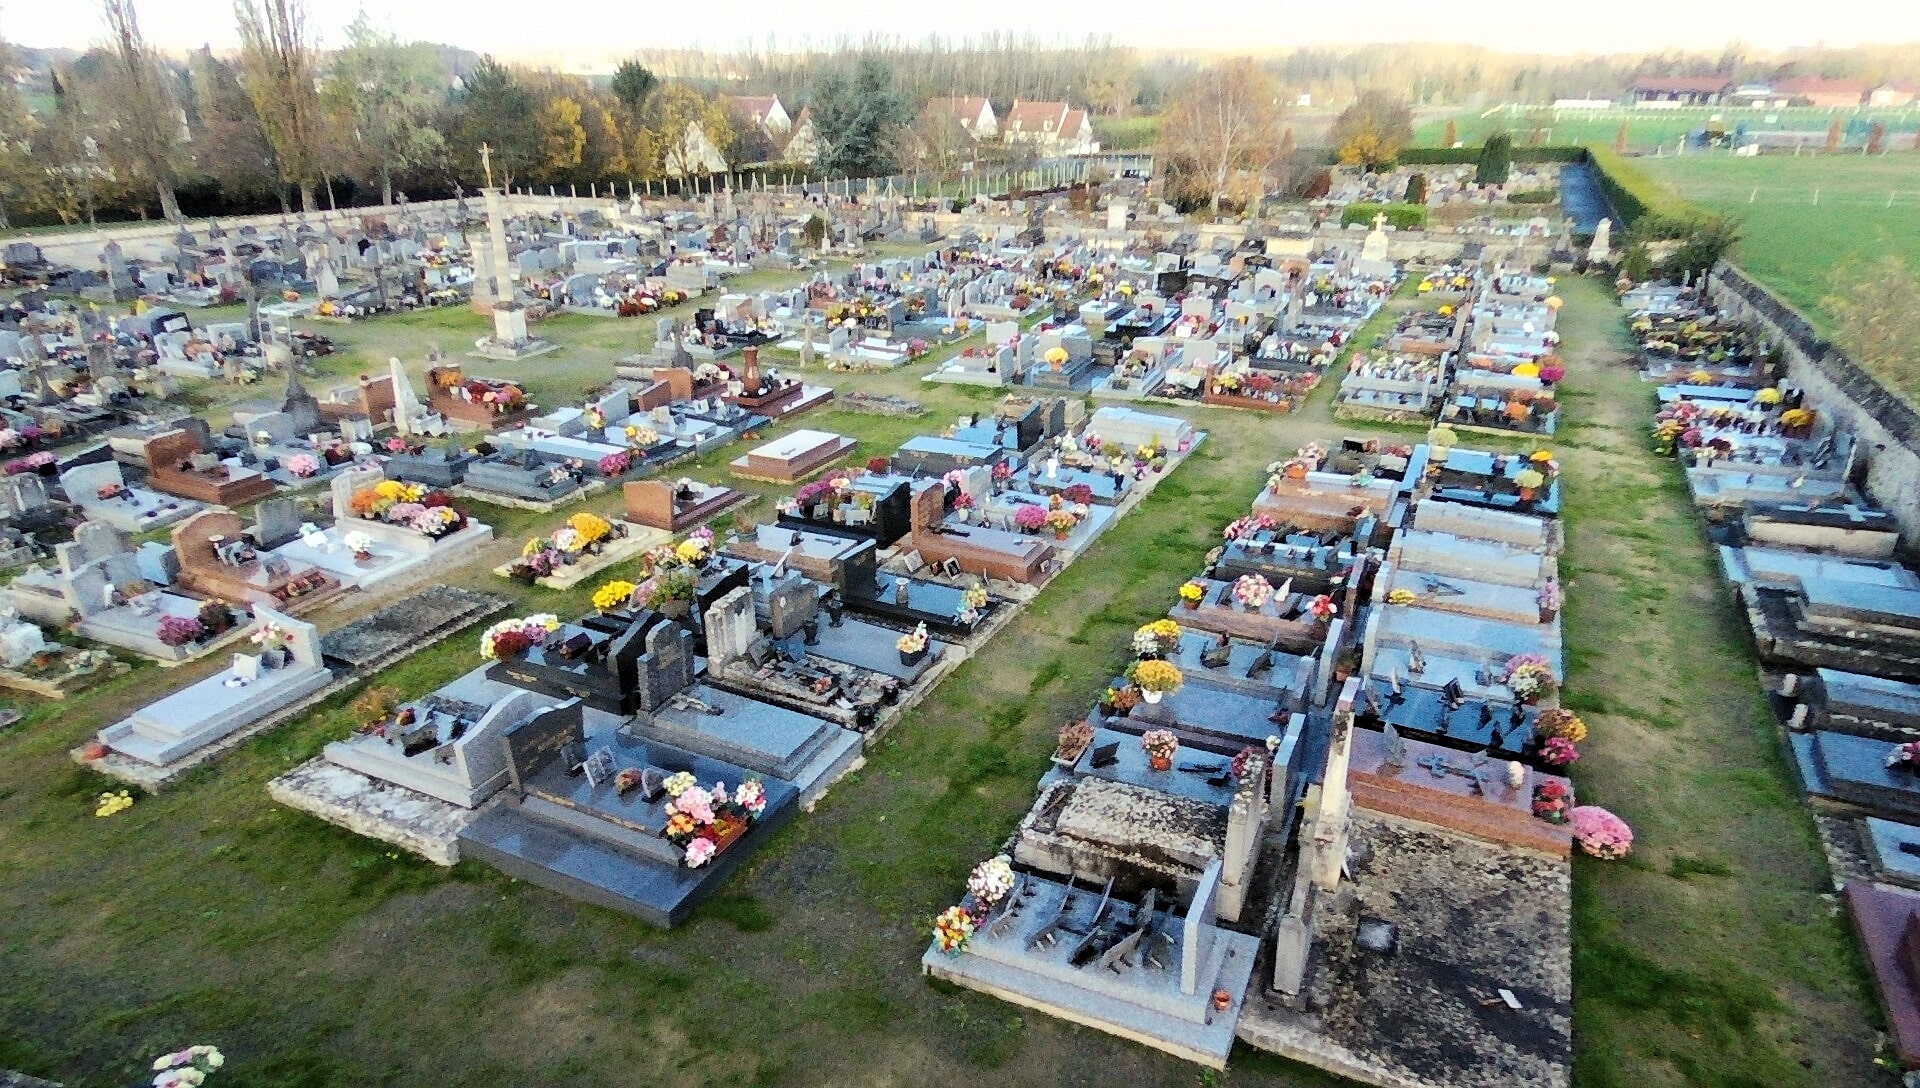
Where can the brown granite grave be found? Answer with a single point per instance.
(792, 457)
(443, 385)
(1503, 814)
(170, 469)
(652, 503)
(758, 395)
(1296, 502)
(377, 399)
(1888, 922)
(990, 553)
(261, 579)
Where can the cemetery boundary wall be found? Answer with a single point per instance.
(1885, 427)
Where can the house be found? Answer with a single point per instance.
(1671, 91)
(806, 145)
(1885, 95)
(695, 154)
(1054, 127)
(975, 115)
(1824, 93)
(763, 111)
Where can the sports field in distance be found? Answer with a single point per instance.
(1650, 128)
(1803, 217)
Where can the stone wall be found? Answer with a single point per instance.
(1886, 428)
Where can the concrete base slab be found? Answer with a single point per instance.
(380, 810)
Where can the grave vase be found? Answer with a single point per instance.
(910, 659)
(1153, 696)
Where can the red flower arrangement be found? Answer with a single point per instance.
(1552, 801)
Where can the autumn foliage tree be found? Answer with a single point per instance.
(278, 69)
(138, 104)
(1373, 131)
(1223, 121)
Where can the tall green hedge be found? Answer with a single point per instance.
(1400, 216)
(1633, 193)
(1469, 156)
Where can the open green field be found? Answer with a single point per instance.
(314, 958)
(1646, 129)
(1802, 218)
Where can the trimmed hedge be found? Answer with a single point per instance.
(1633, 193)
(1470, 156)
(1401, 216)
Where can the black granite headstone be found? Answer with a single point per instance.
(533, 744)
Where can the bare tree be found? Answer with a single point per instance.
(145, 120)
(1223, 120)
(277, 69)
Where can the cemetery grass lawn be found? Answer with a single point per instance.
(1787, 241)
(1715, 955)
(317, 958)
(314, 957)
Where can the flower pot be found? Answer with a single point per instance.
(1191, 606)
(1526, 494)
(914, 658)
(675, 610)
(1160, 763)
(1547, 614)
(1060, 534)
(1153, 696)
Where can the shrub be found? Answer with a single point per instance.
(1416, 189)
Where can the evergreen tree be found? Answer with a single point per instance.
(632, 83)
(1496, 160)
(859, 119)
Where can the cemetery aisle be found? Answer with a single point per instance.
(1717, 956)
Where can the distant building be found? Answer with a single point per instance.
(1825, 93)
(695, 154)
(1672, 91)
(975, 115)
(806, 145)
(1892, 94)
(1054, 127)
(763, 111)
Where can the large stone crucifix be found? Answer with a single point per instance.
(486, 162)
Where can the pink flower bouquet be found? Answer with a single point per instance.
(1601, 833)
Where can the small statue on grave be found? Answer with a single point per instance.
(1396, 747)
(1216, 655)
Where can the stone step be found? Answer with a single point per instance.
(640, 844)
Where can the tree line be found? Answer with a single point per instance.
(285, 123)
(282, 123)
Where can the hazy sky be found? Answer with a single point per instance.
(582, 34)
